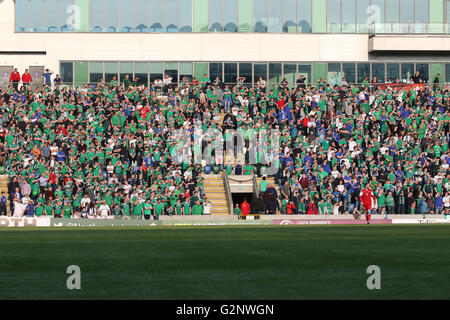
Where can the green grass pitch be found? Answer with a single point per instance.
(267, 262)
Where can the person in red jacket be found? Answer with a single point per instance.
(245, 207)
(290, 207)
(367, 197)
(26, 78)
(15, 79)
(312, 208)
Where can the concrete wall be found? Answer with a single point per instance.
(416, 43)
(173, 47)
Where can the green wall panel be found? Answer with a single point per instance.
(436, 16)
(436, 68)
(319, 16)
(200, 15)
(200, 68)
(81, 72)
(320, 71)
(81, 15)
(245, 15)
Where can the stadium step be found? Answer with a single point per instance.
(270, 181)
(215, 191)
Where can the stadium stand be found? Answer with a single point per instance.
(108, 149)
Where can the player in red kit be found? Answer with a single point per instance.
(367, 197)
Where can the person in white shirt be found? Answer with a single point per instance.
(207, 207)
(54, 149)
(85, 201)
(104, 209)
(19, 208)
(167, 83)
(446, 201)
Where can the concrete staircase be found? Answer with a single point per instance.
(215, 191)
(4, 191)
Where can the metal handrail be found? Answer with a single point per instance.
(230, 203)
(84, 85)
(255, 186)
(415, 28)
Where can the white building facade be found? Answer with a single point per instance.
(87, 40)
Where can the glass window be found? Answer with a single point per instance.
(447, 71)
(275, 13)
(21, 15)
(66, 15)
(171, 16)
(334, 73)
(379, 15)
(215, 15)
(393, 71)
(156, 16)
(348, 16)
(423, 68)
(96, 14)
(111, 70)
(260, 71)
(448, 15)
(156, 71)
(407, 71)
(245, 70)
(230, 15)
(171, 69)
(111, 16)
(141, 73)
(392, 16)
(95, 71)
(363, 72)
(36, 16)
(126, 16)
(260, 16)
(421, 11)
(406, 15)
(230, 72)
(274, 75)
(289, 16)
(126, 68)
(379, 72)
(186, 16)
(363, 17)
(245, 15)
(304, 15)
(422, 16)
(215, 70)
(334, 16)
(186, 71)
(349, 72)
(305, 71)
(200, 15)
(66, 71)
(141, 15)
(51, 15)
(290, 73)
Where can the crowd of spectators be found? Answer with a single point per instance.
(106, 149)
